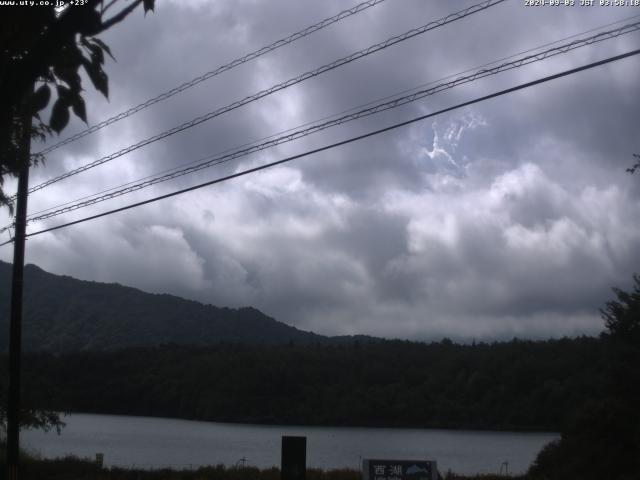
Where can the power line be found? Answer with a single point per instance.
(281, 86)
(310, 74)
(343, 142)
(340, 15)
(603, 36)
(221, 69)
(303, 132)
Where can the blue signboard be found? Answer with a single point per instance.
(399, 470)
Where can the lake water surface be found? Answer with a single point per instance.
(146, 442)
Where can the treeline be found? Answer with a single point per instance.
(601, 438)
(523, 385)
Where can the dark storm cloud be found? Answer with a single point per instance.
(510, 217)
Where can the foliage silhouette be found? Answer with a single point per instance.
(516, 385)
(635, 166)
(46, 47)
(602, 440)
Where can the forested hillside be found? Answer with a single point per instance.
(512, 385)
(62, 314)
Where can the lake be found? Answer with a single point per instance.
(145, 442)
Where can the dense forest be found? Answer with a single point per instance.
(512, 385)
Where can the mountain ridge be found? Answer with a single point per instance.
(64, 314)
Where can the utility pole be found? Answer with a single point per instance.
(15, 327)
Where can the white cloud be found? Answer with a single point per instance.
(513, 217)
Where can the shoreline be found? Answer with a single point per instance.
(76, 468)
(152, 443)
(461, 429)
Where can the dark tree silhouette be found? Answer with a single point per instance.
(622, 316)
(46, 47)
(42, 50)
(602, 440)
(636, 165)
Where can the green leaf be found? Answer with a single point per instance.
(97, 76)
(59, 115)
(72, 98)
(69, 75)
(40, 98)
(96, 54)
(64, 95)
(102, 83)
(104, 46)
(79, 108)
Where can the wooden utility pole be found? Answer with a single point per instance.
(15, 327)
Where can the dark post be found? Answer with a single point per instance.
(293, 465)
(15, 327)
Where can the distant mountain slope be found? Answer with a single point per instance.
(63, 314)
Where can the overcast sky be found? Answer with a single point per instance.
(512, 217)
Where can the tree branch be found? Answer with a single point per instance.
(119, 17)
(109, 5)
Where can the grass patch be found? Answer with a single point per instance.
(74, 468)
(77, 469)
